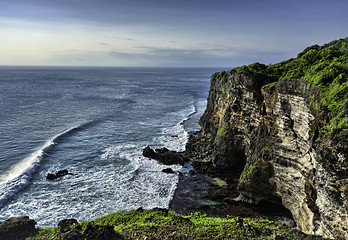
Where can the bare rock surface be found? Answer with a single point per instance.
(270, 143)
(17, 228)
(165, 156)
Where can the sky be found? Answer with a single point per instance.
(175, 33)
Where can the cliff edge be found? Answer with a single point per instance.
(281, 133)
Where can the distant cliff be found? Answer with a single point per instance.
(284, 129)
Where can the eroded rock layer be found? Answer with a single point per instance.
(275, 136)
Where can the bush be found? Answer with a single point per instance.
(325, 67)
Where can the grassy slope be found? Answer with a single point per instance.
(163, 224)
(325, 67)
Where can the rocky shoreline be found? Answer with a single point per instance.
(209, 191)
(269, 144)
(269, 149)
(265, 146)
(199, 190)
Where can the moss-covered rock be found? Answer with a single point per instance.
(17, 228)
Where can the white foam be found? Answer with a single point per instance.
(26, 164)
(143, 182)
(122, 151)
(175, 137)
(20, 175)
(122, 180)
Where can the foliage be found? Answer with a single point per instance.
(325, 67)
(249, 172)
(270, 85)
(267, 148)
(164, 224)
(221, 130)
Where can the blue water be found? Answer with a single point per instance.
(95, 123)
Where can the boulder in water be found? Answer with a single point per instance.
(150, 153)
(61, 173)
(168, 170)
(165, 156)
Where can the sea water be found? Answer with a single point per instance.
(94, 122)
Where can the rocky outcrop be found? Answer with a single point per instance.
(70, 229)
(17, 228)
(167, 170)
(59, 174)
(165, 156)
(66, 224)
(271, 142)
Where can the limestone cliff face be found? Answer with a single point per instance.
(275, 135)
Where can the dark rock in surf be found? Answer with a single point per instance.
(51, 176)
(61, 173)
(170, 158)
(164, 156)
(150, 153)
(17, 228)
(161, 150)
(168, 170)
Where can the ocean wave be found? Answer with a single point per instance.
(20, 175)
(175, 137)
(194, 110)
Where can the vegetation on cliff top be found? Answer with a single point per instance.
(325, 67)
(164, 224)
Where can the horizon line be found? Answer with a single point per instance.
(107, 66)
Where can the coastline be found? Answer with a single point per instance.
(192, 195)
(208, 194)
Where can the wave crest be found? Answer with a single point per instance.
(20, 175)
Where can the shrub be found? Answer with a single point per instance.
(325, 67)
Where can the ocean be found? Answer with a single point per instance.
(94, 122)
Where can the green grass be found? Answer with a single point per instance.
(162, 224)
(270, 85)
(221, 130)
(267, 148)
(313, 103)
(324, 67)
(247, 172)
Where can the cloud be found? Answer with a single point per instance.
(153, 56)
(123, 38)
(180, 14)
(216, 32)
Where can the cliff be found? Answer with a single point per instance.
(282, 142)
